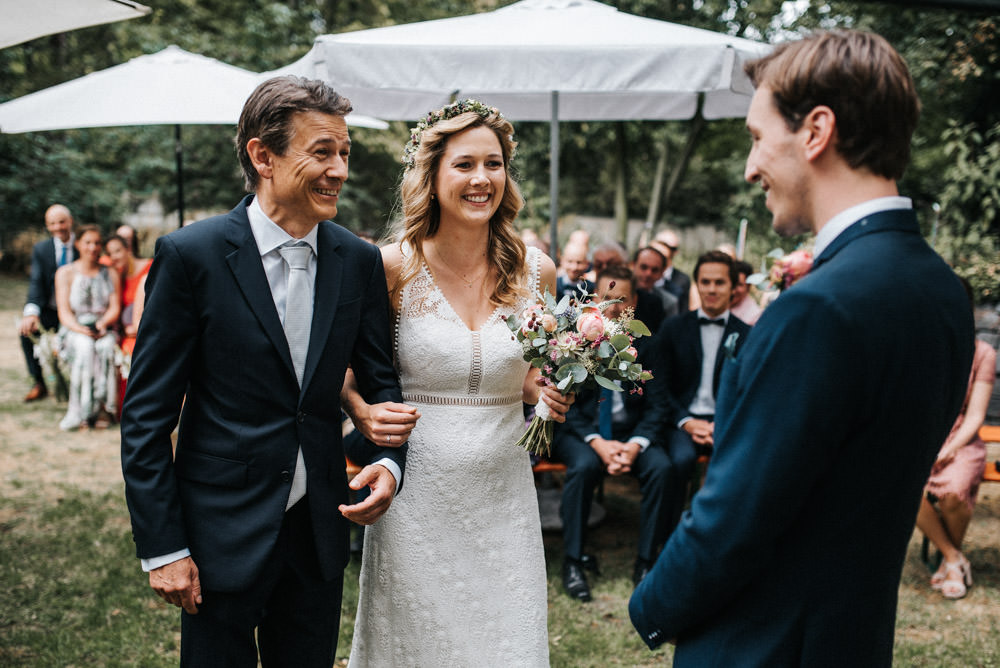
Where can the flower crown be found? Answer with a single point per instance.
(449, 111)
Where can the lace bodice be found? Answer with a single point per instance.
(458, 369)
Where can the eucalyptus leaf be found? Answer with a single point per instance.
(638, 328)
(620, 342)
(607, 384)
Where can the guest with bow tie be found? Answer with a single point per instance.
(690, 350)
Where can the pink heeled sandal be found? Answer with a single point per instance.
(957, 578)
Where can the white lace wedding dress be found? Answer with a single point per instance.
(453, 575)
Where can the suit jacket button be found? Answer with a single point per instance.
(300, 417)
(286, 476)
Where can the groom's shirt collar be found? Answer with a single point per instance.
(836, 225)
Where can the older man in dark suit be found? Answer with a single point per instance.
(40, 308)
(834, 412)
(254, 316)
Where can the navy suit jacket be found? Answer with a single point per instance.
(679, 357)
(210, 331)
(679, 286)
(829, 421)
(42, 282)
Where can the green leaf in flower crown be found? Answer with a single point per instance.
(638, 328)
(607, 384)
(620, 341)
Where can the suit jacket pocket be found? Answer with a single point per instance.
(210, 470)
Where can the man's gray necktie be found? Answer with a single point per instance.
(297, 323)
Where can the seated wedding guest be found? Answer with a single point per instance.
(603, 256)
(88, 297)
(127, 232)
(743, 305)
(614, 433)
(955, 477)
(689, 351)
(674, 280)
(648, 265)
(40, 310)
(573, 264)
(132, 271)
(531, 239)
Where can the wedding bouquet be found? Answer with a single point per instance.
(47, 348)
(575, 346)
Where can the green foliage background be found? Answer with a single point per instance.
(103, 173)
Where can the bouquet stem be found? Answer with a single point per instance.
(538, 438)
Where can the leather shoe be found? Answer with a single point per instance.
(589, 562)
(574, 581)
(35, 393)
(642, 568)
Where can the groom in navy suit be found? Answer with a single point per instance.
(830, 418)
(251, 321)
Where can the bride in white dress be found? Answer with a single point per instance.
(454, 573)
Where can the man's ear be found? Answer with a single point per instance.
(820, 127)
(260, 156)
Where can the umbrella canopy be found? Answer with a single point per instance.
(23, 21)
(604, 64)
(170, 87)
(540, 60)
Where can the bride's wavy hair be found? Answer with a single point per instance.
(422, 215)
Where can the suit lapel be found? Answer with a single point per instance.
(245, 263)
(326, 294)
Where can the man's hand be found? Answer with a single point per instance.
(383, 488)
(701, 431)
(29, 325)
(608, 451)
(625, 457)
(177, 583)
(388, 423)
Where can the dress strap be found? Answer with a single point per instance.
(534, 257)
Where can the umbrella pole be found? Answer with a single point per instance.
(554, 179)
(179, 158)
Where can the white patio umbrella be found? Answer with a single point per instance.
(170, 87)
(23, 21)
(540, 60)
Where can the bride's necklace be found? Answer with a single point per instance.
(461, 277)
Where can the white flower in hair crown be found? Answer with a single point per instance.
(450, 111)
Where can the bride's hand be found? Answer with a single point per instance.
(386, 424)
(557, 402)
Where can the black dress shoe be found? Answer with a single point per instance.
(642, 568)
(589, 562)
(574, 581)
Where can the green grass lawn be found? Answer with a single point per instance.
(72, 592)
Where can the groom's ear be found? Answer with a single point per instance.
(260, 156)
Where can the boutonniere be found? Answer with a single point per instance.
(730, 345)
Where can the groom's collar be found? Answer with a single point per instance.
(836, 225)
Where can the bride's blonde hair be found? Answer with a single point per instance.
(505, 252)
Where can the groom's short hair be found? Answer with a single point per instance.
(862, 79)
(267, 114)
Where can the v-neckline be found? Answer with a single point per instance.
(454, 312)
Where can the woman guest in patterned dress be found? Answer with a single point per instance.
(88, 296)
(955, 478)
